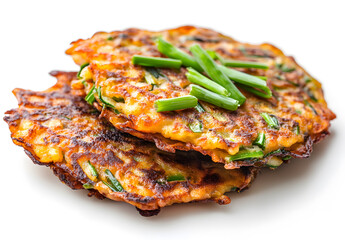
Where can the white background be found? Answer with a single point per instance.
(303, 199)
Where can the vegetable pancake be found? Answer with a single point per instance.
(57, 128)
(263, 131)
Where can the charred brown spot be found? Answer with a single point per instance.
(66, 178)
(211, 179)
(223, 200)
(148, 213)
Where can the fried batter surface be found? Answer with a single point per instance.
(297, 102)
(59, 129)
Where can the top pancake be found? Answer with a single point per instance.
(297, 101)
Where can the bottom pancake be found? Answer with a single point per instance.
(59, 129)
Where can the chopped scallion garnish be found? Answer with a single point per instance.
(197, 78)
(271, 120)
(286, 157)
(118, 99)
(274, 162)
(212, 54)
(215, 73)
(92, 169)
(195, 126)
(173, 52)
(246, 154)
(81, 68)
(307, 79)
(109, 185)
(214, 98)
(241, 64)
(150, 79)
(275, 152)
(177, 177)
(178, 103)
(199, 108)
(311, 106)
(244, 64)
(285, 68)
(155, 72)
(107, 102)
(296, 130)
(112, 182)
(87, 186)
(156, 62)
(260, 140)
(247, 80)
(90, 97)
(264, 92)
(310, 94)
(262, 77)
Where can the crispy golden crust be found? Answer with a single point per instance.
(59, 129)
(297, 97)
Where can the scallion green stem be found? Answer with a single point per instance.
(149, 78)
(311, 106)
(178, 103)
(264, 92)
(245, 155)
(260, 140)
(244, 78)
(107, 102)
(274, 162)
(271, 120)
(310, 94)
(90, 97)
(195, 126)
(205, 60)
(113, 183)
(215, 73)
(197, 78)
(173, 52)
(212, 54)
(241, 64)
(262, 77)
(237, 76)
(87, 186)
(284, 68)
(296, 130)
(156, 62)
(275, 152)
(177, 177)
(154, 72)
(214, 98)
(244, 64)
(199, 108)
(92, 169)
(81, 69)
(111, 186)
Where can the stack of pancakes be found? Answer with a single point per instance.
(130, 152)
